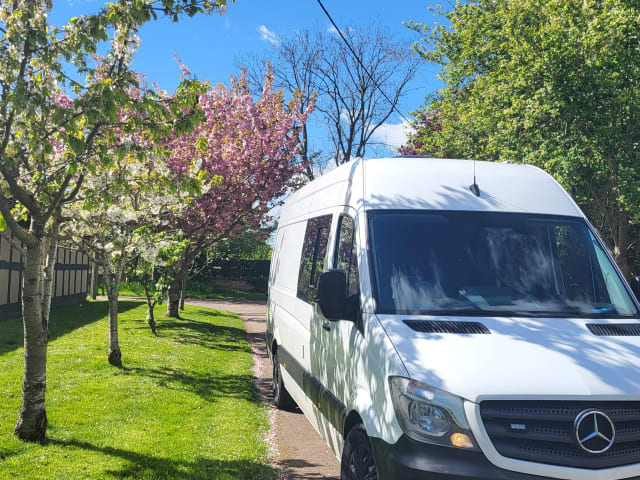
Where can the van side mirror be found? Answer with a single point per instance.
(332, 293)
(635, 286)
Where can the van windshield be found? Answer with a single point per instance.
(477, 263)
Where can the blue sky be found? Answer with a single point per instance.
(210, 44)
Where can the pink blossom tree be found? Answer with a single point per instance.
(251, 148)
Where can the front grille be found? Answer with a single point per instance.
(543, 432)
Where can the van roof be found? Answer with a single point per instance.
(432, 184)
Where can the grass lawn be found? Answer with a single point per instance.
(184, 406)
(216, 292)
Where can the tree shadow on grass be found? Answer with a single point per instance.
(208, 386)
(63, 320)
(218, 314)
(206, 334)
(6, 452)
(148, 466)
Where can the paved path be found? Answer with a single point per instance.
(296, 447)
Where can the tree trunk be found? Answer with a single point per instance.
(32, 420)
(173, 296)
(115, 355)
(112, 285)
(183, 291)
(175, 288)
(621, 245)
(94, 280)
(151, 320)
(50, 248)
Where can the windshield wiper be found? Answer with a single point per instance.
(472, 312)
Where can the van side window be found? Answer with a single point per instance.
(314, 251)
(346, 256)
(275, 262)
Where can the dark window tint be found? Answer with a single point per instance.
(314, 251)
(346, 258)
(473, 263)
(580, 280)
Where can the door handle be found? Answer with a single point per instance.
(326, 325)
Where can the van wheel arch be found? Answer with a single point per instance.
(281, 397)
(353, 419)
(357, 459)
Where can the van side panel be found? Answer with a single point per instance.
(370, 396)
(374, 357)
(282, 294)
(329, 195)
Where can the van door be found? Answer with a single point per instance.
(296, 358)
(333, 343)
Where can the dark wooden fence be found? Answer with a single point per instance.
(239, 268)
(237, 274)
(70, 281)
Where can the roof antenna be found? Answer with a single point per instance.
(475, 189)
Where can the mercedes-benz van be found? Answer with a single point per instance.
(445, 319)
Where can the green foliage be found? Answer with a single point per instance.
(204, 290)
(156, 260)
(551, 83)
(186, 406)
(249, 245)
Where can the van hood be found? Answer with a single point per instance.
(521, 357)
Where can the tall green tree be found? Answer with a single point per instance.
(59, 103)
(552, 83)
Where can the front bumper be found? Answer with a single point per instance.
(410, 460)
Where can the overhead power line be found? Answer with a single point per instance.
(366, 70)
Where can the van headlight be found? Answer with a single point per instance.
(427, 414)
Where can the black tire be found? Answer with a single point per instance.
(357, 456)
(281, 398)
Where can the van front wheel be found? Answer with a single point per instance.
(357, 457)
(281, 397)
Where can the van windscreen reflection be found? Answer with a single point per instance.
(482, 264)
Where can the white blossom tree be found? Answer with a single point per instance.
(124, 212)
(155, 263)
(57, 106)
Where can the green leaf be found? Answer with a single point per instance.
(77, 145)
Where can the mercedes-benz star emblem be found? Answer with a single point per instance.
(595, 431)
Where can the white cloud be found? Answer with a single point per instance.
(346, 29)
(392, 134)
(268, 36)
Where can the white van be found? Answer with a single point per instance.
(433, 327)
